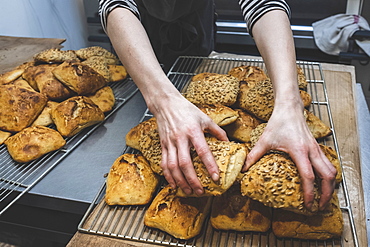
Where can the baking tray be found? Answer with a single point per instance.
(126, 222)
(16, 179)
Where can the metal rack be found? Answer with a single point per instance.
(126, 222)
(16, 179)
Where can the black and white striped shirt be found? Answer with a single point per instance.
(252, 9)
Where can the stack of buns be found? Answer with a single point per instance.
(68, 89)
(269, 196)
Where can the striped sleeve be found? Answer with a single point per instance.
(106, 6)
(254, 9)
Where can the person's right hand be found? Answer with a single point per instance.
(181, 126)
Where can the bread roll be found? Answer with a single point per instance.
(241, 129)
(232, 211)
(44, 119)
(100, 65)
(3, 136)
(248, 74)
(286, 224)
(104, 98)
(182, 218)
(302, 82)
(212, 88)
(117, 72)
(33, 142)
(317, 127)
(220, 114)
(332, 156)
(230, 158)
(85, 53)
(130, 181)
(274, 180)
(55, 55)
(75, 114)
(79, 77)
(19, 107)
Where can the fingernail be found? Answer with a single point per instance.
(215, 177)
(187, 191)
(199, 192)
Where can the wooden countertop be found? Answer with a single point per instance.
(340, 82)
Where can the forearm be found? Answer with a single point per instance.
(274, 40)
(133, 47)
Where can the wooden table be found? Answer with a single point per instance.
(340, 82)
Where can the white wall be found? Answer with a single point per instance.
(63, 19)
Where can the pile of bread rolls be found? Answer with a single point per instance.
(269, 196)
(68, 89)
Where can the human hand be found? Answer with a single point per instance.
(287, 131)
(181, 126)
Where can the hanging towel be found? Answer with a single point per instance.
(332, 34)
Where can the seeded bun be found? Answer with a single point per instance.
(212, 88)
(220, 114)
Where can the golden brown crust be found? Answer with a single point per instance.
(143, 128)
(306, 98)
(333, 158)
(248, 73)
(220, 114)
(230, 158)
(44, 119)
(49, 85)
(100, 65)
(75, 114)
(287, 224)
(104, 98)
(274, 180)
(85, 53)
(241, 129)
(22, 83)
(211, 88)
(3, 136)
(33, 142)
(302, 82)
(10, 76)
(317, 127)
(130, 181)
(19, 107)
(182, 218)
(55, 55)
(232, 211)
(79, 77)
(117, 72)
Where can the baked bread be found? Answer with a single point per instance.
(212, 88)
(274, 180)
(22, 83)
(100, 65)
(75, 114)
(241, 129)
(49, 85)
(10, 76)
(117, 72)
(85, 53)
(142, 129)
(232, 211)
(230, 158)
(259, 100)
(104, 98)
(19, 107)
(333, 158)
(317, 127)
(145, 138)
(55, 55)
(3, 136)
(302, 82)
(130, 181)
(220, 114)
(79, 77)
(33, 142)
(182, 218)
(286, 224)
(44, 119)
(306, 98)
(249, 74)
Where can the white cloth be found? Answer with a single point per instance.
(332, 34)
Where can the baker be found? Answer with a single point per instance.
(136, 27)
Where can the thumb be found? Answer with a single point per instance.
(255, 154)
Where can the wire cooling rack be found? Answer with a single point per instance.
(16, 179)
(126, 222)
